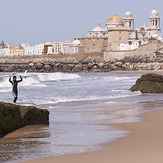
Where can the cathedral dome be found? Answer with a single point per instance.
(98, 28)
(154, 14)
(128, 15)
(115, 18)
(114, 21)
(76, 42)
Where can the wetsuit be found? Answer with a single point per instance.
(14, 88)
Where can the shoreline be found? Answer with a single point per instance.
(137, 72)
(143, 145)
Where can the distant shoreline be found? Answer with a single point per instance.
(87, 62)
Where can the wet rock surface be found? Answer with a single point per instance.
(14, 116)
(149, 83)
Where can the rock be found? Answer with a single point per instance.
(14, 116)
(10, 118)
(101, 65)
(47, 68)
(118, 64)
(55, 66)
(39, 66)
(149, 83)
(113, 67)
(34, 116)
(88, 60)
(77, 68)
(95, 66)
(67, 67)
(31, 64)
(128, 66)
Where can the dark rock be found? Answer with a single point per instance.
(47, 68)
(14, 116)
(77, 68)
(39, 66)
(34, 116)
(149, 83)
(118, 64)
(10, 118)
(55, 66)
(95, 66)
(67, 67)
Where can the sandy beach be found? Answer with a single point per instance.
(143, 145)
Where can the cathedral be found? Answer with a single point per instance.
(120, 35)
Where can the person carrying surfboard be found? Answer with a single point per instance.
(15, 87)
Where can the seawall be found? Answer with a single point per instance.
(147, 57)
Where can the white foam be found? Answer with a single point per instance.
(37, 101)
(92, 98)
(56, 76)
(30, 81)
(5, 83)
(5, 90)
(119, 78)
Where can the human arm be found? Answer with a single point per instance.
(10, 80)
(21, 79)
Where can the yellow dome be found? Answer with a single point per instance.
(115, 18)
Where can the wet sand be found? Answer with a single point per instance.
(137, 72)
(143, 145)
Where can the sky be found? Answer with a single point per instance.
(39, 21)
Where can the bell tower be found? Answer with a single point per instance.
(154, 23)
(128, 20)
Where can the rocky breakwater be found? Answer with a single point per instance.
(83, 63)
(14, 116)
(149, 83)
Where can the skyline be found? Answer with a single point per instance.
(38, 21)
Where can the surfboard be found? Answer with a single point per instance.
(15, 74)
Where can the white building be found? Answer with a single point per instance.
(29, 50)
(74, 48)
(66, 47)
(125, 47)
(58, 47)
(39, 49)
(50, 49)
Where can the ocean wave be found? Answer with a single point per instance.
(56, 76)
(48, 101)
(120, 78)
(30, 81)
(93, 98)
(36, 79)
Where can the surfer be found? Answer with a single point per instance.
(14, 87)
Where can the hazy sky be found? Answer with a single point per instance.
(39, 21)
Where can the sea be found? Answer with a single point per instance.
(83, 108)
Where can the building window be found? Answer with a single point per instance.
(129, 24)
(119, 38)
(93, 45)
(156, 22)
(153, 23)
(119, 31)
